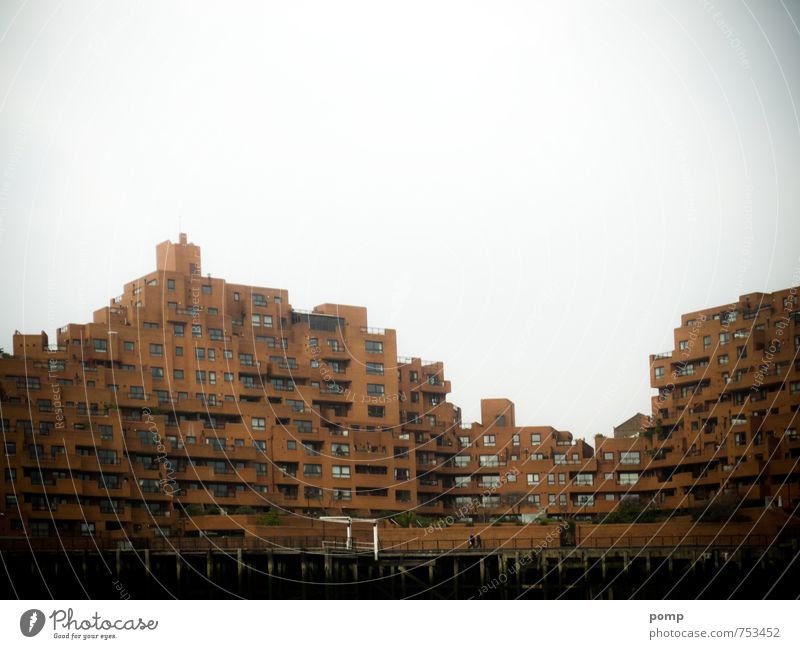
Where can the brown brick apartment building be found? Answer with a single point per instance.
(188, 394)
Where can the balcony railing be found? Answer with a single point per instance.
(373, 331)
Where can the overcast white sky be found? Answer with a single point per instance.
(531, 192)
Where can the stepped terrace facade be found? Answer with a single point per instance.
(190, 395)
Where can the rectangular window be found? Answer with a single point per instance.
(258, 423)
(170, 285)
(375, 369)
(373, 346)
(197, 331)
(628, 478)
(489, 440)
(659, 372)
(215, 333)
(375, 389)
(177, 374)
(629, 457)
(178, 329)
(375, 411)
(341, 471)
(342, 494)
(157, 372)
(489, 481)
(533, 479)
(340, 450)
(128, 346)
(312, 470)
(206, 289)
(100, 345)
(724, 338)
(536, 438)
(706, 342)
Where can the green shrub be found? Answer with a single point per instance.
(631, 510)
(270, 518)
(721, 510)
